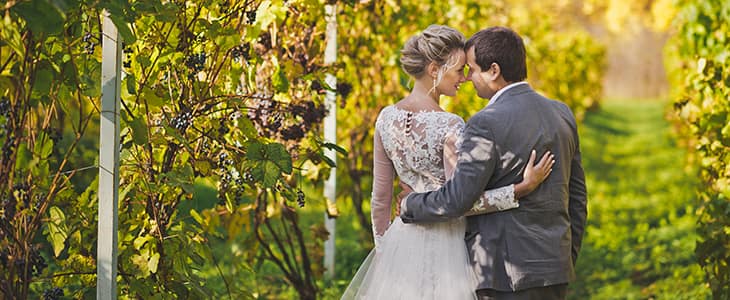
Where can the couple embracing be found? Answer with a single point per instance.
(481, 219)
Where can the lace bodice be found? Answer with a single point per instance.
(414, 142)
(420, 147)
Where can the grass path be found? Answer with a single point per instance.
(640, 238)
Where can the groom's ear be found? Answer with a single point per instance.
(494, 71)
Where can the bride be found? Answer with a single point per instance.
(417, 140)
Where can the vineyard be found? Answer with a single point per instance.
(222, 158)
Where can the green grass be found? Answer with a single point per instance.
(641, 224)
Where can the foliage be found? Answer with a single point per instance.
(699, 59)
(640, 236)
(219, 97)
(219, 120)
(48, 101)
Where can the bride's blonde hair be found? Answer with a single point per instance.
(435, 44)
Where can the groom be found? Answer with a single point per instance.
(529, 252)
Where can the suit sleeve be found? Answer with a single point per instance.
(577, 202)
(476, 162)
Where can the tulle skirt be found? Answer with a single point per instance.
(417, 261)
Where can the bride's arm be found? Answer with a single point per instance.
(383, 175)
(505, 197)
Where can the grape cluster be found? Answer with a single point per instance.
(293, 132)
(247, 176)
(37, 264)
(89, 43)
(4, 107)
(300, 198)
(8, 147)
(54, 293)
(344, 90)
(251, 17)
(225, 186)
(317, 87)
(225, 179)
(127, 63)
(196, 63)
(223, 128)
(309, 112)
(241, 51)
(182, 121)
(8, 205)
(265, 116)
(223, 160)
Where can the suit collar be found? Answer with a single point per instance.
(511, 89)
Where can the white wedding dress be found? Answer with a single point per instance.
(418, 261)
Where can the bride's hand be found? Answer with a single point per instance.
(535, 174)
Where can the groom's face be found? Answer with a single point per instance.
(480, 78)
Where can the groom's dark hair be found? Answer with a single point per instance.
(503, 46)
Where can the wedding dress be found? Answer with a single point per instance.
(418, 261)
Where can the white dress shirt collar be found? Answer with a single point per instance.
(500, 92)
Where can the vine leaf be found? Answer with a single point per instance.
(268, 161)
(57, 229)
(40, 16)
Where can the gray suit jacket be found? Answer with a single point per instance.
(538, 243)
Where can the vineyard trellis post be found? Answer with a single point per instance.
(106, 260)
(330, 136)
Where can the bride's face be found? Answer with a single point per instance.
(453, 76)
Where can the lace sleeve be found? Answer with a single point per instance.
(383, 175)
(494, 200)
(498, 199)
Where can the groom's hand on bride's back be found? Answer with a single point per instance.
(405, 190)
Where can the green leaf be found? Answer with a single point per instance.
(247, 128)
(139, 131)
(269, 12)
(255, 151)
(43, 79)
(40, 16)
(335, 147)
(268, 162)
(277, 153)
(153, 262)
(267, 173)
(43, 146)
(331, 163)
(182, 177)
(124, 31)
(143, 60)
(280, 82)
(197, 217)
(141, 240)
(91, 86)
(131, 84)
(24, 158)
(57, 229)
